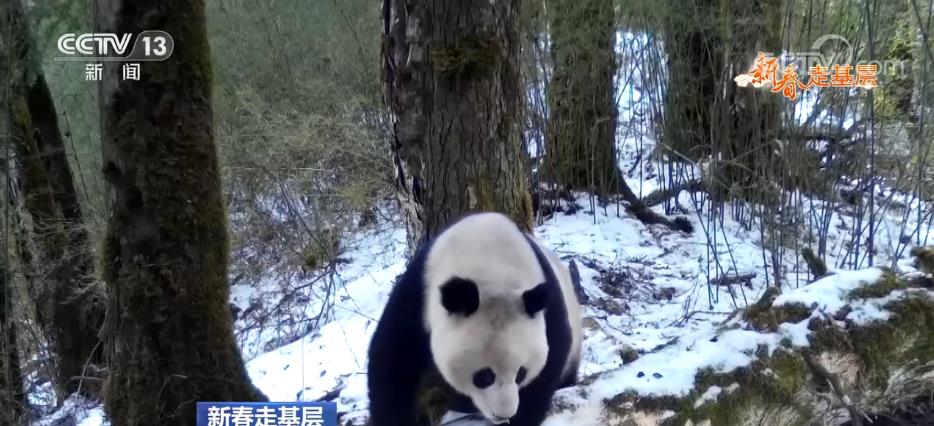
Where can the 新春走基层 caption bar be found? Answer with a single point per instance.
(267, 414)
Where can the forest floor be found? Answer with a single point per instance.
(652, 322)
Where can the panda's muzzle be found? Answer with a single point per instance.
(497, 420)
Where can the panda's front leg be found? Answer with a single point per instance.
(394, 374)
(398, 357)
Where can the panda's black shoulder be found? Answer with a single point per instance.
(401, 323)
(411, 284)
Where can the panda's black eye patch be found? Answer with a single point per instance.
(536, 299)
(520, 376)
(460, 296)
(484, 378)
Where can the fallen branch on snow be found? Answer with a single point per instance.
(660, 196)
(726, 280)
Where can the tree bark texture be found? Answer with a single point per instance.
(12, 396)
(452, 81)
(168, 325)
(581, 137)
(57, 259)
(710, 42)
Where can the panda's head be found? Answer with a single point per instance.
(485, 312)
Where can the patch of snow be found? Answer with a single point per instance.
(710, 394)
(671, 371)
(95, 417)
(83, 412)
(870, 310)
(798, 332)
(601, 352)
(828, 293)
(585, 416)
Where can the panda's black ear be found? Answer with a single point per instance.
(536, 299)
(460, 296)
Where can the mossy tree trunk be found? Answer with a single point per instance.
(746, 122)
(893, 100)
(12, 397)
(168, 327)
(692, 46)
(57, 259)
(452, 82)
(580, 151)
(581, 136)
(708, 43)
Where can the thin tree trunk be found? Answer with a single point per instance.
(581, 147)
(12, 397)
(57, 259)
(168, 326)
(452, 82)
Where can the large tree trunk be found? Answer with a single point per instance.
(581, 147)
(745, 121)
(452, 83)
(57, 259)
(709, 42)
(165, 257)
(692, 46)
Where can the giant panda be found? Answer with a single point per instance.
(491, 310)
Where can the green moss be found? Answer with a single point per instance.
(815, 264)
(788, 378)
(628, 354)
(484, 194)
(925, 258)
(780, 384)
(21, 117)
(769, 383)
(763, 317)
(626, 402)
(914, 321)
(893, 99)
(472, 57)
(433, 399)
(880, 288)
(827, 337)
(905, 339)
